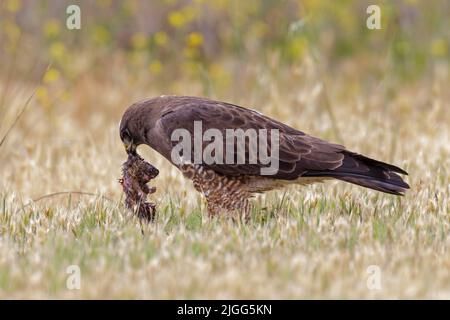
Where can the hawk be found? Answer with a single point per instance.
(227, 187)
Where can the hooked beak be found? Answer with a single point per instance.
(130, 147)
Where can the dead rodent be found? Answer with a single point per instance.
(136, 173)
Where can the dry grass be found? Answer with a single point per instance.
(309, 242)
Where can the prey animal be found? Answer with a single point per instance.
(227, 187)
(136, 173)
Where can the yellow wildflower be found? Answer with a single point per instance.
(13, 5)
(297, 47)
(155, 67)
(101, 35)
(439, 48)
(161, 38)
(176, 19)
(190, 52)
(11, 29)
(51, 75)
(57, 50)
(43, 96)
(195, 39)
(139, 40)
(51, 28)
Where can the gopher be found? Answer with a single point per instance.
(136, 173)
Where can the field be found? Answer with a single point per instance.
(383, 93)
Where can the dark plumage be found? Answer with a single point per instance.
(302, 158)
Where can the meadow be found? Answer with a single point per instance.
(311, 64)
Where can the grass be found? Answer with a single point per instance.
(313, 248)
(318, 241)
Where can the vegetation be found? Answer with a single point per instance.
(311, 64)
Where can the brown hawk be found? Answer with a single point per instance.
(302, 159)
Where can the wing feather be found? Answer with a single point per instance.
(298, 152)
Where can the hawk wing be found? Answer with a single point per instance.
(298, 152)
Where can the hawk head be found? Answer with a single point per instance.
(137, 122)
(128, 142)
(129, 133)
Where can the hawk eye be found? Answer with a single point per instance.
(125, 135)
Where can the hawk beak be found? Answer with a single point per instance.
(130, 147)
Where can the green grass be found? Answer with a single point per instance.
(304, 248)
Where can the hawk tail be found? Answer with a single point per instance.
(366, 172)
